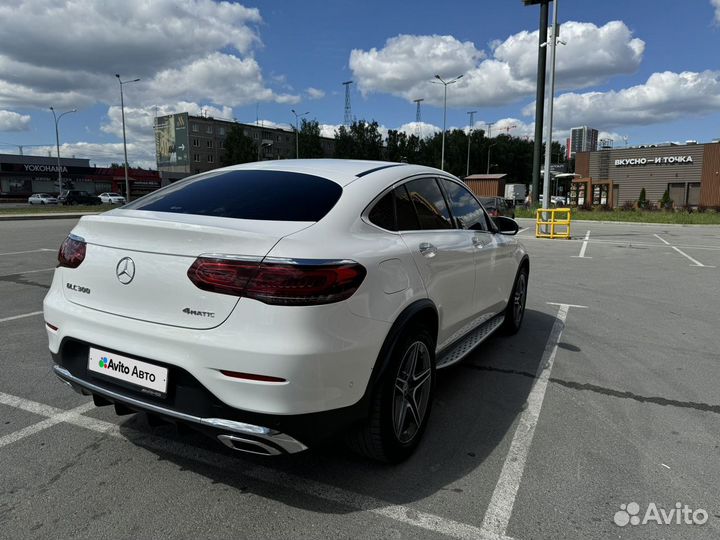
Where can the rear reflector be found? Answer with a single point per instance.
(72, 252)
(252, 376)
(52, 327)
(284, 284)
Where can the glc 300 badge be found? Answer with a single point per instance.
(125, 270)
(78, 288)
(208, 314)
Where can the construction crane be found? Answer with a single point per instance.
(508, 128)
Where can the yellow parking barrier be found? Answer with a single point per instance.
(547, 221)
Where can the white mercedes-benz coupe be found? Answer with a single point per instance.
(273, 305)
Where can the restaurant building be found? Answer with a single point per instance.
(612, 177)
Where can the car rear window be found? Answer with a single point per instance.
(259, 195)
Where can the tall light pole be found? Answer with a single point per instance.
(297, 132)
(539, 95)
(445, 84)
(472, 119)
(57, 143)
(552, 42)
(122, 111)
(488, 163)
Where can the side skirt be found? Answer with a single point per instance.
(461, 348)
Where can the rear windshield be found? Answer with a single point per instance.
(260, 195)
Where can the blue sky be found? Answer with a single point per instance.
(648, 70)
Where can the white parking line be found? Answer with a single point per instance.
(583, 248)
(28, 272)
(6, 319)
(695, 262)
(31, 251)
(306, 486)
(502, 502)
(44, 424)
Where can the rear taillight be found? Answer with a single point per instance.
(72, 252)
(279, 283)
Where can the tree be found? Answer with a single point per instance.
(642, 200)
(239, 148)
(309, 140)
(361, 141)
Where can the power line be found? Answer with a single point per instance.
(418, 119)
(348, 111)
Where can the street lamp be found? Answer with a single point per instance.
(445, 84)
(122, 111)
(488, 163)
(57, 143)
(297, 131)
(472, 118)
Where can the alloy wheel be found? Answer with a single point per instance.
(411, 393)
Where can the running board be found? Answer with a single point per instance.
(461, 348)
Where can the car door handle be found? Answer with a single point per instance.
(427, 250)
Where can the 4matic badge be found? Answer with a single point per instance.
(208, 314)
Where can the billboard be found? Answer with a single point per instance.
(171, 140)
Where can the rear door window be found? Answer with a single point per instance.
(257, 195)
(465, 208)
(429, 204)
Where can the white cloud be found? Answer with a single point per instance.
(12, 121)
(220, 78)
(664, 97)
(328, 130)
(421, 129)
(592, 54)
(315, 93)
(103, 154)
(716, 5)
(406, 65)
(65, 53)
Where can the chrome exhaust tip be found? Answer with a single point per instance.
(249, 446)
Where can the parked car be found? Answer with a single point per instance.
(76, 196)
(497, 206)
(42, 198)
(555, 200)
(111, 198)
(273, 305)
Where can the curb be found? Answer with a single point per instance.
(24, 217)
(640, 223)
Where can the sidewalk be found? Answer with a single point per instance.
(45, 215)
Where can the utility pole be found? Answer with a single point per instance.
(548, 142)
(57, 142)
(297, 132)
(472, 120)
(348, 111)
(418, 120)
(122, 109)
(445, 84)
(540, 94)
(489, 126)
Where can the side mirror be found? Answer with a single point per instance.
(506, 225)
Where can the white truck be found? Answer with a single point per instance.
(516, 193)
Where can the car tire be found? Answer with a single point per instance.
(401, 402)
(515, 310)
(42, 202)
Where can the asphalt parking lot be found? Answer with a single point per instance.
(608, 396)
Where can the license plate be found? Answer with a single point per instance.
(116, 366)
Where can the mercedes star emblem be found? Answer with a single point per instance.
(125, 270)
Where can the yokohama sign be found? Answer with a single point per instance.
(45, 168)
(653, 161)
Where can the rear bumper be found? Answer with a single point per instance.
(264, 440)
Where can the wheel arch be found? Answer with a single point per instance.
(421, 312)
